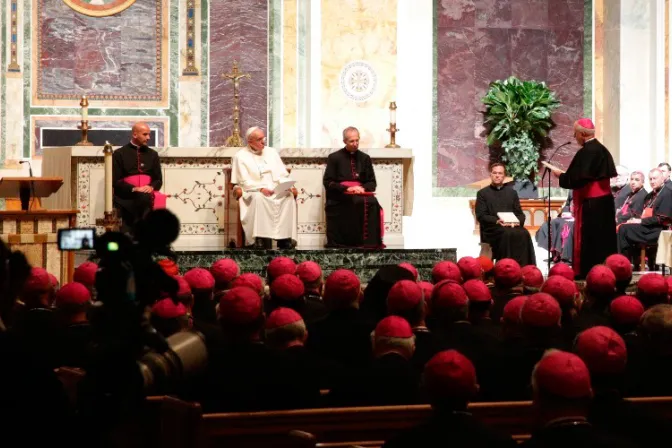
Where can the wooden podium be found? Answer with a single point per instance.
(35, 231)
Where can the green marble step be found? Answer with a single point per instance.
(364, 263)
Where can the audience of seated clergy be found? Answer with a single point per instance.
(487, 267)
(633, 206)
(169, 266)
(605, 354)
(562, 394)
(343, 336)
(599, 291)
(507, 285)
(562, 269)
(532, 279)
(250, 280)
(390, 378)
(239, 378)
(566, 294)
(85, 274)
(406, 300)
(202, 285)
(622, 269)
(411, 269)
(653, 366)
(446, 270)
(450, 384)
(647, 228)
(310, 273)
(664, 168)
(280, 266)
(288, 291)
(561, 227)
(224, 271)
(652, 290)
(169, 317)
(620, 186)
(71, 304)
(294, 369)
(470, 268)
(374, 300)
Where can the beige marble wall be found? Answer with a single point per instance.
(366, 31)
(289, 72)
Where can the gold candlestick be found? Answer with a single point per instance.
(393, 126)
(84, 126)
(235, 139)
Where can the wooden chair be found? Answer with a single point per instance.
(649, 251)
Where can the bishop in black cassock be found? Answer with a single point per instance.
(506, 241)
(135, 158)
(354, 216)
(594, 212)
(646, 229)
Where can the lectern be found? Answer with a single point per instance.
(35, 232)
(27, 187)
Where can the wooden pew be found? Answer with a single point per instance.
(365, 426)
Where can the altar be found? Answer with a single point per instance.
(197, 183)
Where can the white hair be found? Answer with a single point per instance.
(251, 131)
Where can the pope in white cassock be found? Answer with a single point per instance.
(267, 205)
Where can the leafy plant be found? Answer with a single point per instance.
(518, 116)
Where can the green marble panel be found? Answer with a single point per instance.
(364, 263)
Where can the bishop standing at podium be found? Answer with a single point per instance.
(508, 240)
(354, 216)
(136, 178)
(589, 176)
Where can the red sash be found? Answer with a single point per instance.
(140, 180)
(647, 213)
(595, 189)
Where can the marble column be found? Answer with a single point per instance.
(190, 113)
(14, 93)
(238, 31)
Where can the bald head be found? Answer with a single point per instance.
(140, 133)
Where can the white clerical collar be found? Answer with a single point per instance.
(497, 187)
(254, 151)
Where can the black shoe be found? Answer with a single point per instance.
(261, 243)
(285, 244)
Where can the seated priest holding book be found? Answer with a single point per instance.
(354, 216)
(501, 220)
(266, 194)
(137, 178)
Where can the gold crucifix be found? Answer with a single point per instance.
(235, 76)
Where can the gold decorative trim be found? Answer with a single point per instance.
(114, 7)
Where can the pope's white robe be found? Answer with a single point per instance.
(261, 216)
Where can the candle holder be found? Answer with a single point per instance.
(110, 222)
(393, 126)
(84, 126)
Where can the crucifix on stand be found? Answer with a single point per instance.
(235, 76)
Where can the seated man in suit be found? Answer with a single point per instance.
(508, 240)
(561, 230)
(646, 229)
(354, 216)
(257, 170)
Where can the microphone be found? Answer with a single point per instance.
(30, 167)
(556, 151)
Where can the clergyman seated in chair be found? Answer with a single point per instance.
(508, 239)
(266, 213)
(354, 216)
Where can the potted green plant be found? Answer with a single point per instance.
(518, 118)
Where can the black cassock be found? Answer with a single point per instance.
(630, 235)
(595, 215)
(352, 220)
(506, 242)
(130, 160)
(632, 207)
(561, 233)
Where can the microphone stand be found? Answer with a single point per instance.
(547, 171)
(32, 183)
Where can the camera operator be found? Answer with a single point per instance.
(34, 408)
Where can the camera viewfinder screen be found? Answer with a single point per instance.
(76, 239)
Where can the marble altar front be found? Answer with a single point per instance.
(196, 179)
